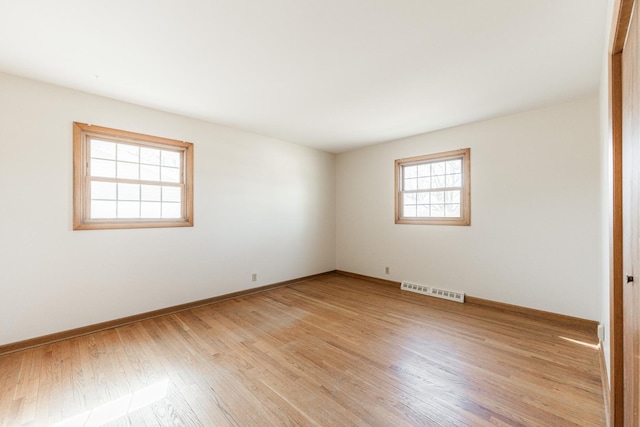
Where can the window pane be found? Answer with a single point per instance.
(103, 168)
(409, 171)
(170, 175)
(409, 211)
(103, 150)
(150, 173)
(150, 210)
(151, 193)
(128, 192)
(410, 184)
(171, 210)
(422, 198)
(103, 190)
(454, 180)
(438, 168)
(128, 209)
(424, 170)
(128, 153)
(103, 209)
(171, 194)
(452, 210)
(424, 183)
(170, 158)
(437, 181)
(409, 198)
(128, 170)
(452, 196)
(437, 197)
(150, 156)
(423, 210)
(454, 166)
(437, 210)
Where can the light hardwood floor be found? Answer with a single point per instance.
(331, 351)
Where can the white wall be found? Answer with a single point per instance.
(269, 207)
(535, 236)
(261, 206)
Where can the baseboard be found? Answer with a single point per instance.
(606, 391)
(111, 324)
(589, 325)
(368, 278)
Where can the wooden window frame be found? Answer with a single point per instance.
(82, 133)
(465, 188)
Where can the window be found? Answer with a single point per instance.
(129, 180)
(434, 189)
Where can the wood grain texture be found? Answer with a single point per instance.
(616, 343)
(622, 10)
(606, 392)
(89, 329)
(329, 351)
(631, 219)
(576, 322)
(589, 325)
(616, 399)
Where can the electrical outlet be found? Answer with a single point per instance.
(254, 277)
(386, 270)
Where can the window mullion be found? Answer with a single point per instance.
(432, 190)
(136, 181)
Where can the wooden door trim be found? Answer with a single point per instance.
(622, 10)
(619, 30)
(616, 349)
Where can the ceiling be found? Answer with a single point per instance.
(330, 74)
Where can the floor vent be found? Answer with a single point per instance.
(450, 295)
(413, 287)
(433, 292)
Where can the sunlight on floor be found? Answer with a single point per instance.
(120, 407)
(586, 344)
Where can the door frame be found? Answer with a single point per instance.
(622, 11)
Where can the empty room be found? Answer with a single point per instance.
(323, 213)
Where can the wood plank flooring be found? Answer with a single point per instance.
(331, 351)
